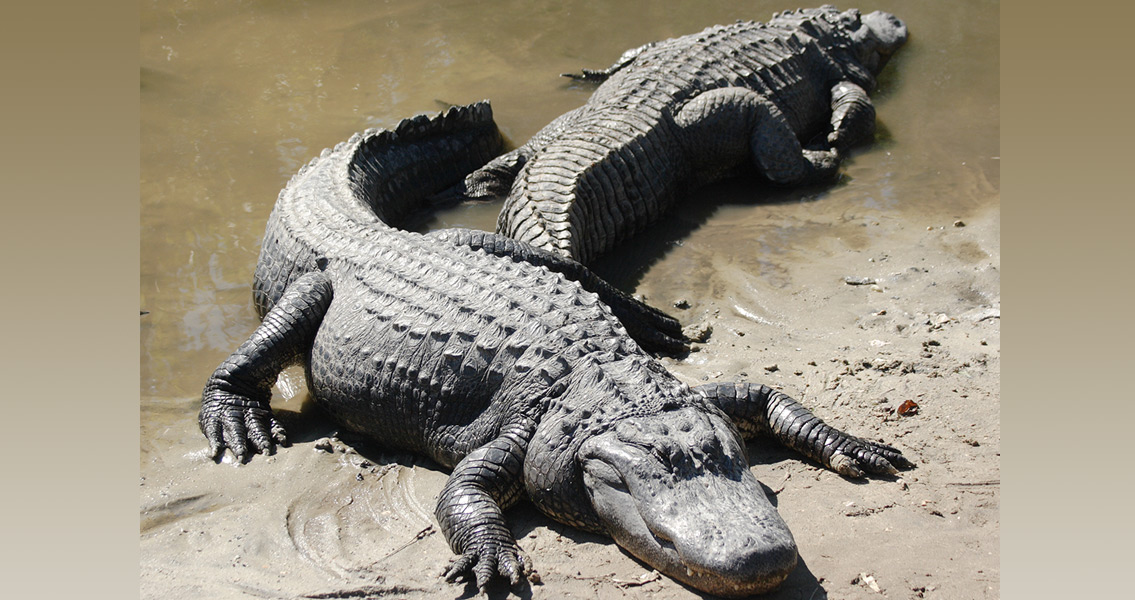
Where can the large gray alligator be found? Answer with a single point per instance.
(494, 360)
(687, 111)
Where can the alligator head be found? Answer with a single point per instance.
(675, 490)
(863, 44)
(879, 35)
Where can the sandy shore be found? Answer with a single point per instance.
(869, 314)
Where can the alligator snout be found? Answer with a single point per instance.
(675, 490)
(880, 36)
(887, 28)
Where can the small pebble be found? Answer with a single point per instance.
(699, 332)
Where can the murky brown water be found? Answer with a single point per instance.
(236, 96)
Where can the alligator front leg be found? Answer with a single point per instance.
(724, 126)
(234, 406)
(651, 328)
(853, 116)
(470, 509)
(759, 409)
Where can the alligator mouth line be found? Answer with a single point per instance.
(668, 548)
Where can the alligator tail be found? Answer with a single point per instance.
(397, 171)
(378, 179)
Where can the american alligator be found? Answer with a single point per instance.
(686, 111)
(493, 359)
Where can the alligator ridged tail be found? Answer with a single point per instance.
(373, 181)
(396, 171)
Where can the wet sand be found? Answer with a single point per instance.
(853, 298)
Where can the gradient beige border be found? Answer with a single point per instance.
(1067, 408)
(70, 341)
(69, 333)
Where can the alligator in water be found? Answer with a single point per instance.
(493, 359)
(687, 111)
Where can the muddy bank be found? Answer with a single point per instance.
(331, 516)
(854, 298)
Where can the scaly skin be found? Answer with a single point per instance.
(494, 359)
(303, 230)
(687, 111)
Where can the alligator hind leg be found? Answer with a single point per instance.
(759, 409)
(853, 116)
(234, 406)
(723, 126)
(470, 509)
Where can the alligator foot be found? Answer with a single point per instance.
(486, 560)
(234, 406)
(470, 508)
(230, 421)
(858, 456)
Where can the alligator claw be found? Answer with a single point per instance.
(244, 426)
(860, 457)
(486, 561)
(456, 571)
(893, 456)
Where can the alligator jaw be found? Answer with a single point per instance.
(713, 530)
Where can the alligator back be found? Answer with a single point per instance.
(429, 342)
(418, 158)
(673, 114)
